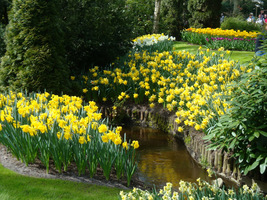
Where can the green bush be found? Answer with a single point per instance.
(96, 32)
(141, 14)
(204, 13)
(238, 23)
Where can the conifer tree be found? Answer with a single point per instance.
(34, 58)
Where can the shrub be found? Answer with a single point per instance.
(204, 13)
(237, 23)
(96, 32)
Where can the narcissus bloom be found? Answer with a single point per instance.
(102, 128)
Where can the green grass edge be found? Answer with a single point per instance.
(14, 186)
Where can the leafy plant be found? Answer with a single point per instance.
(237, 23)
(243, 128)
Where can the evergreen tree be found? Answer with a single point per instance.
(34, 58)
(205, 13)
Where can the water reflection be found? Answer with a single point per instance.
(163, 159)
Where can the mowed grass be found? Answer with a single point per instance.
(241, 56)
(14, 186)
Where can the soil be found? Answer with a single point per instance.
(38, 170)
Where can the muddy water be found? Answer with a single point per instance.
(163, 158)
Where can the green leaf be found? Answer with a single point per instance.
(232, 144)
(209, 137)
(241, 158)
(262, 168)
(263, 133)
(254, 165)
(256, 134)
(233, 134)
(246, 170)
(251, 138)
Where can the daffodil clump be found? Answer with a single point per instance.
(192, 191)
(61, 128)
(155, 42)
(216, 38)
(192, 85)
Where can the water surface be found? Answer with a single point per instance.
(163, 158)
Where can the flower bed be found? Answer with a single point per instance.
(200, 190)
(43, 126)
(216, 38)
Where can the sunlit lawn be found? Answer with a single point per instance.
(18, 187)
(242, 56)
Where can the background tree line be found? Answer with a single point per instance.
(43, 42)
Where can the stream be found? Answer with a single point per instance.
(162, 158)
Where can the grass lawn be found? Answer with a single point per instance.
(241, 56)
(18, 187)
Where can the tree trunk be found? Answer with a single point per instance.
(156, 16)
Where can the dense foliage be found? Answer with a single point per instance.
(4, 9)
(174, 17)
(34, 57)
(236, 23)
(141, 12)
(96, 32)
(243, 128)
(2, 42)
(204, 13)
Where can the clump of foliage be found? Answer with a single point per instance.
(200, 190)
(96, 32)
(204, 13)
(243, 128)
(141, 14)
(34, 57)
(174, 17)
(237, 23)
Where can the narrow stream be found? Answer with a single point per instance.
(163, 158)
